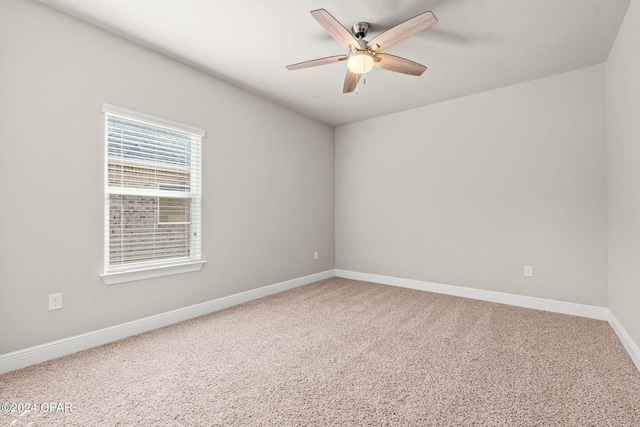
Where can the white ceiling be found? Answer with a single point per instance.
(477, 45)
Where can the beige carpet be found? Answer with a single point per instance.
(343, 352)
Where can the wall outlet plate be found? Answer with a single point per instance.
(55, 301)
(528, 271)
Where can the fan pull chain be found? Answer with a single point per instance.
(364, 82)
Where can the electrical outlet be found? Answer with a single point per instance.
(528, 271)
(315, 255)
(55, 301)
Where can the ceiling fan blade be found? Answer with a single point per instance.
(350, 82)
(404, 30)
(399, 65)
(316, 62)
(335, 28)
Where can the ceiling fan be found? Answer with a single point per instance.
(364, 55)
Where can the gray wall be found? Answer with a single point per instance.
(268, 179)
(467, 192)
(623, 167)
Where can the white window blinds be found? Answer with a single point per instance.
(152, 192)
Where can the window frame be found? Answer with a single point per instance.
(113, 274)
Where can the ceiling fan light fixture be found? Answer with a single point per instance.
(360, 62)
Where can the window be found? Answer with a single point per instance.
(152, 196)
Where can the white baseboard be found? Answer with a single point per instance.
(41, 353)
(593, 312)
(589, 311)
(628, 343)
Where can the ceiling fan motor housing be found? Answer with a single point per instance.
(360, 29)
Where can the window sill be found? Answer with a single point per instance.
(114, 278)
